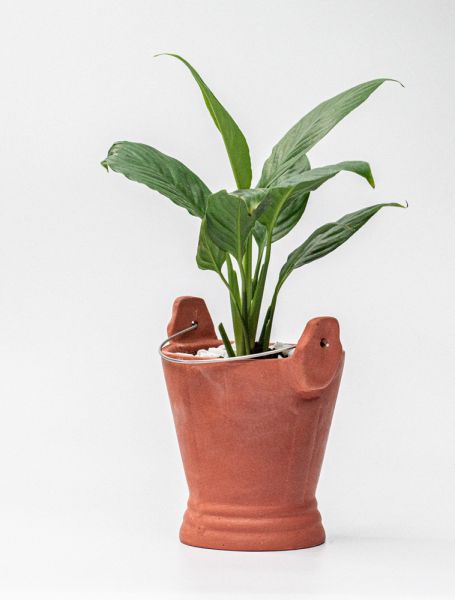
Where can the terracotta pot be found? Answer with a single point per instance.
(252, 436)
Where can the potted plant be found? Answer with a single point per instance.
(252, 418)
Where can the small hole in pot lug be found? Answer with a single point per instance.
(324, 343)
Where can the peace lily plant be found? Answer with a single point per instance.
(239, 228)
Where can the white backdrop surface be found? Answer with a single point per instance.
(91, 486)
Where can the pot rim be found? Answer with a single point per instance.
(201, 359)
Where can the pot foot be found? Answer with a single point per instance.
(260, 533)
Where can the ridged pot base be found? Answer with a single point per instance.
(258, 533)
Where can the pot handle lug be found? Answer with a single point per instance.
(187, 310)
(319, 354)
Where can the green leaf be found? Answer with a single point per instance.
(268, 210)
(209, 257)
(159, 172)
(296, 204)
(312, 128)
(228, 223)
(299, 166)
(260, 234)
(275, 201)
(312, 179)
(234, 140)
(329, 237)
(290, 214)
(252, 197)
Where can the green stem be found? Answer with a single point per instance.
(256, 306)
(268, 321)
(240, 329)
(264, 329)
(248, 267)
(257, 269)
(226, 340)
(259, 291)
(264, 339)
(245, 306)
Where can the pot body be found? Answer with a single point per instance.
(252, 436)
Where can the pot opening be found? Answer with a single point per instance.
(279, 349)
(183, 353)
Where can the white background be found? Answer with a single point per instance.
(91, 486)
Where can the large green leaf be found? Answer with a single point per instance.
(209, 256)
(268, 210)
(296, 204)
(159, 172)
(228, 223)
(276, 199)
(290, 214)
(329, 237)
(252, 197)
(234, 140)
(312, 179)
(312, 128)
(299, 166)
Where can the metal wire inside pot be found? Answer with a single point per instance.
(191, 361)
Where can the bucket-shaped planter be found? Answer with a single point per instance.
(252, 435)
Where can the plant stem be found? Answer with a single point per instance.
(240, 329)
(226, 340)
(245, 306)
(264, 330)
(268, 321)
(256, 305)
(259, 291)
(248, 267)
(258, 267)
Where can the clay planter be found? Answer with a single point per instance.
(252, 436)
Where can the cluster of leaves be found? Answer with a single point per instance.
(233, 223)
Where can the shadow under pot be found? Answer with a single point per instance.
(252, 434)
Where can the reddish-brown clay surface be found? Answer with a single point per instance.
(252, 436)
